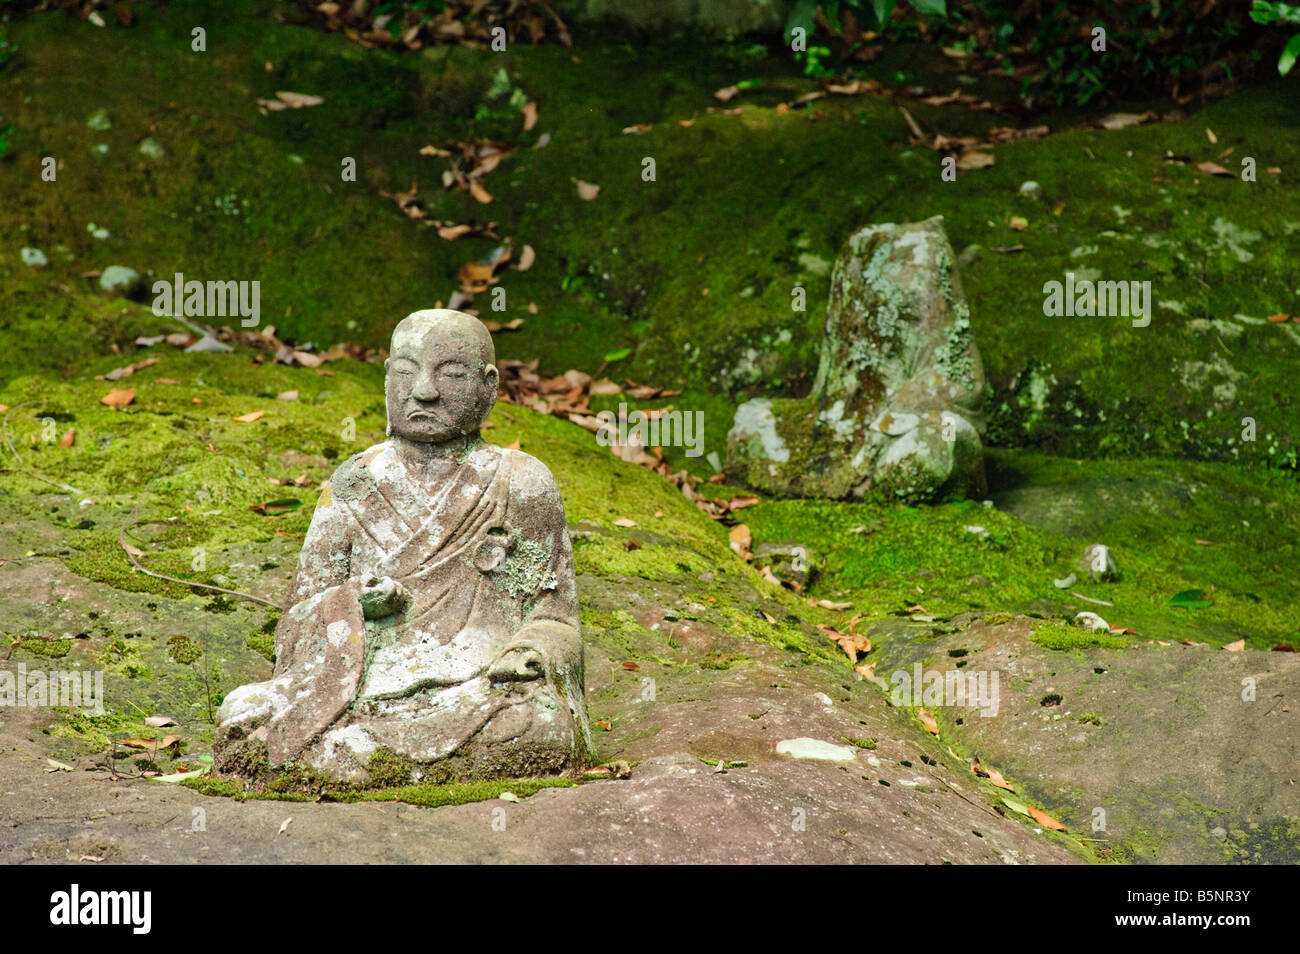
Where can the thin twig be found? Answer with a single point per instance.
(23, 465)
(121, 539)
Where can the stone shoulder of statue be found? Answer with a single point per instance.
(433, 616)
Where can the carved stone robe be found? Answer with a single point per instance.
(479, 542)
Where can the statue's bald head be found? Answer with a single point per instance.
(437, 328)
(442, 376)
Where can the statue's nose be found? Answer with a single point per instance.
(425, 390)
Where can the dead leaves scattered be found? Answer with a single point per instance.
(468, 23)
(853, 643)
(568, 395)
(412, 206)
(927, 720)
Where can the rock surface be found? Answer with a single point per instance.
(1147, 749)
(895, 410)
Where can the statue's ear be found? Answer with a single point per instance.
(493, 377)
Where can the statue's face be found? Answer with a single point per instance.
(437, 385)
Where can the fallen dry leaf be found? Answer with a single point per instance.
(928, 721)
(586, 190)
(852, 643)
(150, 744)
(993, 775)
(530, 115)
(624, 522)
(287, 100)
(118, 398)
(1213, 169)
(1236, 647)
(975, 160)
(250, 417)
(741, 540)
(526, 258)
(727, 94)
(1044, 819)
(1121, 120)
(69, 437)
(1019, 223)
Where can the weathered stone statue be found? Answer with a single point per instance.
(433, 620)
(895, 409)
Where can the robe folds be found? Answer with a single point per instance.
(479, 542)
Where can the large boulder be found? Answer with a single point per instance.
(894, 411)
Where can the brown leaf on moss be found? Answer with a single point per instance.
(1044, 819)
(928, 721)
(993, 775)
(118, 398)
(742, 541)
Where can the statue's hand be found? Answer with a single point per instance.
(517, 664)
(381, 598)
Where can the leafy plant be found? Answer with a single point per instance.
(872, 13)
(1266, 13)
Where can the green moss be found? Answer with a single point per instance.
(429, 796)
(126, 658)
(722, 660)
(389, 770)
(263, 645)
(44, 646)
(95, 733)
(1057, 635)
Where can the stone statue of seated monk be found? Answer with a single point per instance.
(433, 616)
